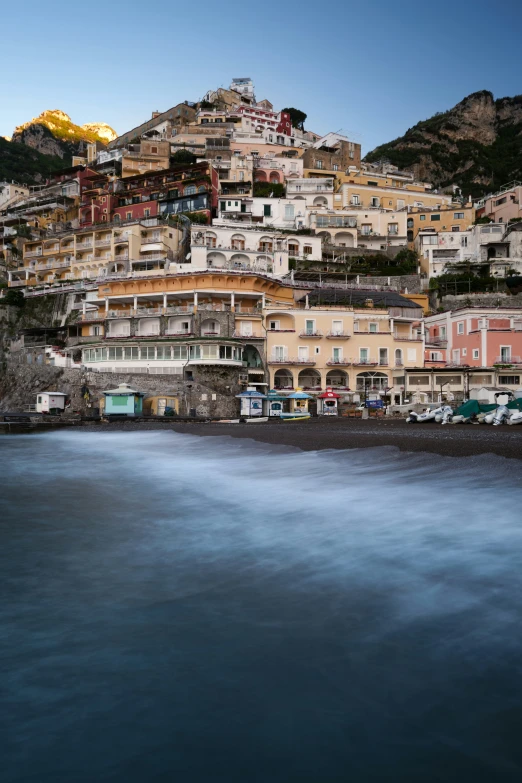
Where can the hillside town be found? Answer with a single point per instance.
(220, 254)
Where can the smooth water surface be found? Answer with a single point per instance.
(193, 609)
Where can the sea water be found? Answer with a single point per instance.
(190, 609)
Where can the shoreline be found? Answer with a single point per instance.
(459, 440)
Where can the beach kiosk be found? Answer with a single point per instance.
(299, 401)
(251, 402)
(275, 403)
(329, 403)
(50, 402)
(123, 401)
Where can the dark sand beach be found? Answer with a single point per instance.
(459, 440)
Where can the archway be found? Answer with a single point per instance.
(283, 379)
(237, 242)
(337, 379)
(240, 261)
(217, 260)
(260, 175)
(274, 178)
(209, 327)
(320, 201)
(371, 382)
(309, 379)
(344, 239)
(251, 358)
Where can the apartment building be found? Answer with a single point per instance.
(250, 248)
(374, 229)
(135, 249)
(161, 123)
(357, 342)
(452, 217)
(331, 156)
(11, 191)
(503, 206)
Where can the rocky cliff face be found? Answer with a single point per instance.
(54, 133)
(476, 145)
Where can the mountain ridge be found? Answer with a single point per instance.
(476, 145)
(54, 133)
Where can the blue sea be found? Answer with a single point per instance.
(176, 608)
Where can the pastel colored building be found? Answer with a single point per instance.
(444, 218)
(474, 337)
(503, 206)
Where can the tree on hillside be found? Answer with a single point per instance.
(181, 157)
(297, 117)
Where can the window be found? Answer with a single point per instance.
(393, 228)
(463, 241)
(374, 201)
(372, 328)
(433, 218)
(289, 211)
(335, 167)
(279, 352)
(337, 354)
(307, 250)
(146, 212)
(318, 164)
(302, 352)
(435, 356)
(464, 351)
(190, 190)
(401, 203)
(383, 356)
(458, 216)
(475, 353)
(310, 327)
(129, 215)
(509, 380)
(267, 210)
(460, 327)
(505, 353)
(375, 184)
(337, 327)
(443, 332)
(363, 354)
(355, 201)
(455, 229)
(274, 326)
(422, 217)
(154, 150)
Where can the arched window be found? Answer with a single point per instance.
(117, 218)
(190, 190)
(202, 189)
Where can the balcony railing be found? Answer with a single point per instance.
(307, 333)
(174, 309)
(508, 360)
(337, 335)
(366, 362)
(291, 360)
(407, 337)
(83, 245)
(339, 362)
(250, 336)
(31, 253)
(149, 311)
(103, 242)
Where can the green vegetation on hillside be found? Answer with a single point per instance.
(25, 165)
(477, 168)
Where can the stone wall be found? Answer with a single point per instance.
(413, 284)
(498, 299)
(211, 391)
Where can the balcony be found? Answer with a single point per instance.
(365, 362)
(339, 362)
(32, 253)
(175, 309)
(294, 360)
(366, 331)
(337, 335)
(250, 336)
(83, 245)
(103, 242)
(508, 360)
(312, 334)
(121, 257)
(414, 338)
(149, 311)
(182, 333)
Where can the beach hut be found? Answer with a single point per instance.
(251, 402)
(50, 402)
(123, 401)
(161, 405)
(275, 402)
(329, 403)
(299, 401)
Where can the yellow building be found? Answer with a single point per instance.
(144, 247)
(358, 349)
(451, 217)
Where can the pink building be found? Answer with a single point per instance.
(503, 206)
(474, 337)
(263, 119)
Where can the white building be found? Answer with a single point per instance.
(10, 191)
(249, 248)
(282, 213)
(314, 192)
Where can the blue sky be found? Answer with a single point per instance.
(370, 68)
